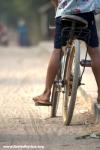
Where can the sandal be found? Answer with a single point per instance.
(39, 102)
(43, 103)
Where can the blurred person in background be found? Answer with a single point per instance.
(23, 33)
(3, 35)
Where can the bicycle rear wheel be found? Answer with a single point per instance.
(58, 84)
(71, 86)
(55, 99)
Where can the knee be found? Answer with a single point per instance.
(56, 50)
(95, 56)
(94, 53)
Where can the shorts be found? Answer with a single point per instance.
(93, 41)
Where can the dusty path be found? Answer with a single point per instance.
(22, 75)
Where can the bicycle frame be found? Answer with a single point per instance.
(67, 82)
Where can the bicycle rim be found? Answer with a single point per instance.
(69, 96)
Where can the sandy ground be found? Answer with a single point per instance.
(25, 126)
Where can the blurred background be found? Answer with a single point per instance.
(26, 22)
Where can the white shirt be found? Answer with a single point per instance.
(74, 7)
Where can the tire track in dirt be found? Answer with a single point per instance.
(22, 122)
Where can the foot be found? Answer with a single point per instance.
(42, 101)
(43, 98)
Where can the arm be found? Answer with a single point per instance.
(55, 3)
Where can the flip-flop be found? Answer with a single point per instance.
(37, 99)
(41, 103)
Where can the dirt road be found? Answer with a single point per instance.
(25, 126)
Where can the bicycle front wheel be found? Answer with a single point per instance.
(71, 86)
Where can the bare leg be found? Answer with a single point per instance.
(51, 73)
(95, 57)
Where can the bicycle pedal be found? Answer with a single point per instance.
(82, 83)
(85, 63)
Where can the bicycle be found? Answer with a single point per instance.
(69, 76)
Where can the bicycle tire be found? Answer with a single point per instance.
(55, 100)
(68, 109)
(55, 90)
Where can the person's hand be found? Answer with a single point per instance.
(55, 3)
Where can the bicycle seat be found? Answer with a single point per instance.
(67, 21)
